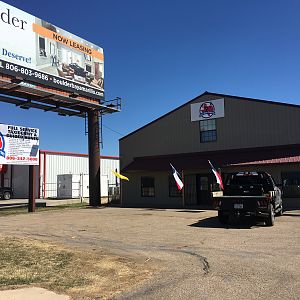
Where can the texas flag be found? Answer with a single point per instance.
(218, 176)
(177, 178)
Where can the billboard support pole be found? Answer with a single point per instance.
(31, 203)
(94, 158)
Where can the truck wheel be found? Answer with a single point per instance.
(271, 218)
(223, 219)
(6, 195)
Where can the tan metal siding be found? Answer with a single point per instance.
(252, 124)
(131, 191)
(247, 123)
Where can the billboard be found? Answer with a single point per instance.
(40, 52)
(211, 109)
(19, 145)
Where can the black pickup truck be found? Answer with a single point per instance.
(249, 194)
(6, 193)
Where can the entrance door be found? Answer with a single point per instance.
(190, 190)
(203, 190)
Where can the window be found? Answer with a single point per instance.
(173, 190)
(88, 68)
(147, 186)
(208, 131)
(52, 48)
(42, 46)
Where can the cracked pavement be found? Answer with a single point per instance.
(195, 257)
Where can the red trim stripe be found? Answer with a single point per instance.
(39, 190)
(44, 191)
(76, 154)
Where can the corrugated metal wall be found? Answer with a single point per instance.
(247, 123)
(53, 164)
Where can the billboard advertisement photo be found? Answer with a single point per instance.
(19, 145)
(40, 52)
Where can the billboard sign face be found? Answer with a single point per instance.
(211, 109)
(40, 52)
(19, 145)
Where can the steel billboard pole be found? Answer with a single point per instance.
(94, 158)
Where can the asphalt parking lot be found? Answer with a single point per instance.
(195, 256)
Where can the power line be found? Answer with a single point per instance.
(112, 129)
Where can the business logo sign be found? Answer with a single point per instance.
(19, 145)
(207, 110)
(52, 56)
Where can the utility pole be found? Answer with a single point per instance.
(94, 158)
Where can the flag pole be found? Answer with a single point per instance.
(183, 200)
(121, 196)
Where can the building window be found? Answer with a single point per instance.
(42, 46)
(208, 131)
(147, 186)
(88, 68)
(173, 189)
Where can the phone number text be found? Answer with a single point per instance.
(26, 71)
(18, 158)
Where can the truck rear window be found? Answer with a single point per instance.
(251, 179)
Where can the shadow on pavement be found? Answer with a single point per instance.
(191, 211)
(213, 222)
(158, 209)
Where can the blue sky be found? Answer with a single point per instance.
(161, 54)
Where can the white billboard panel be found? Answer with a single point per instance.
(19, 145)
(206, 110)
(43, 53)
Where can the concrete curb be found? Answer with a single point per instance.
(31, 294)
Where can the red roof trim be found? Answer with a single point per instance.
(222, 158)
(283, 160)
(75, 154)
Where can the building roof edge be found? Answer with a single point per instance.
(209, 93)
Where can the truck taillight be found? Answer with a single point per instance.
(263, 203)
(270, 195)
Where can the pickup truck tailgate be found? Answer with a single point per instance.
(245, 203)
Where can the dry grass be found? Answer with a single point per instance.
(24, 210)
(80, 274)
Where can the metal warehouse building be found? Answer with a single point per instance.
(235, 133)
(51, 165)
